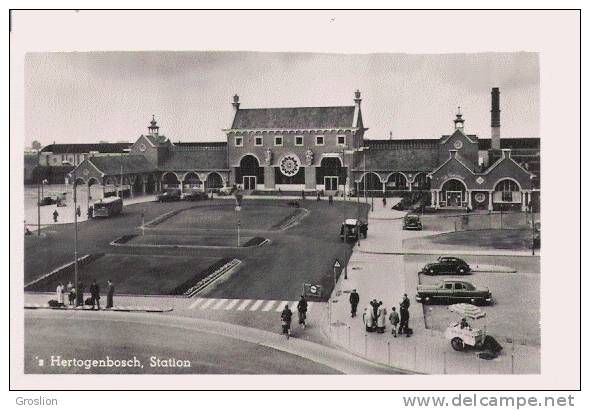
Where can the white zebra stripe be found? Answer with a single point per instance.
(232, 304)
(256, 305)
(268, 306)
(244, 304)
(219, 304)
(207, 303)
(195, 303)
(281, 306)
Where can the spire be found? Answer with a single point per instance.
(153, 128)
(236, 103)
(459, 121)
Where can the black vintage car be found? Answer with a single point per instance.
(169, 195)
(447, 265)
(353, 229)
(453, 291)
(412, 222)
(196, 196)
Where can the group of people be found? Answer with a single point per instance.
(375, 315)
(287, 316)
(76, 294)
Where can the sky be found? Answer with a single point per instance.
(84, 97)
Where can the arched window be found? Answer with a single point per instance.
(397, 181)
(214, 181)
(508, 187)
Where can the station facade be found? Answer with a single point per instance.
(323, 149)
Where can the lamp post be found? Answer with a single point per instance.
(75, 235)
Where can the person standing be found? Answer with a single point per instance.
(384, 202)
(69, 289)
(354, 302)
(381, 317)
(55, 215)
(404, 315)
(59, 292)
(95, 294)
(394, 320)
(286, 316)
(110, 293)
(80, 294)
(302, 310)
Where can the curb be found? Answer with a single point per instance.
(146, 309)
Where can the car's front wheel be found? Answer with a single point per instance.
(431, 271)
(461, 270)
(457, 344)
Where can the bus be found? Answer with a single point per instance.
(108, 207)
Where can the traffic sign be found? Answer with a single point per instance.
(337, 265)
(312, 290)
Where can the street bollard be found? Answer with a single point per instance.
(512, 364)
(445, 363)
(348, 337)
(365, 345)
(415, 357)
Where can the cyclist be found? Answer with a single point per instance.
(286, 316)
(302, 310)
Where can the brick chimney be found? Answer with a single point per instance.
(495, 118)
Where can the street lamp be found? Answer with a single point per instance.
(75, 236)
(40, 194)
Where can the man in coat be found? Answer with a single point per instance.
(80, 294)
(381, 317)
(354, 302)
(302, 310)
(110, 293)
(95, 294)
(59, 292)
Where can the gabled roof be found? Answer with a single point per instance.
(295, 118)
(383, 155)
(471, 137)
(115, 165)
(511, 143)
(105, 148)
(195, 158)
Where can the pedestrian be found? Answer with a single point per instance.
(302, 194)
(404, 313)
(110, 293)
(331, 200)
(71, 295)
(302, 311)
(286, 316)
(55, 215)
(59, 292)
(89, 213)
(95, 294)
(381, 317)
(384, 202)
(368, 319)
(80, 294)
(318, 198)
(354, 302)
(394, 320)
(78, 211)
(375, 306)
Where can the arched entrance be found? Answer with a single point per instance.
(214, 182)
(453, 194)
(331, 174)
(192, 182)
(507, 195)
(170, 181)
(137, 185)
(250, 173)
(370, 184)
(397, 182)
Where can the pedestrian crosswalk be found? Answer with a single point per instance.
(245, 305)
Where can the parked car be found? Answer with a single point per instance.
(196, 196)
(353, 229)
(446, 265)
(169, 195)
(412, 222)
(453, 291)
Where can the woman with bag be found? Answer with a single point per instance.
(286, 316)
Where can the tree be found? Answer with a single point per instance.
(36, 145)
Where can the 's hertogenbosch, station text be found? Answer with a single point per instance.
(109, 362)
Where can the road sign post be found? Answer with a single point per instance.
(336, 269)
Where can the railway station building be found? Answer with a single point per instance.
(324, 149)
